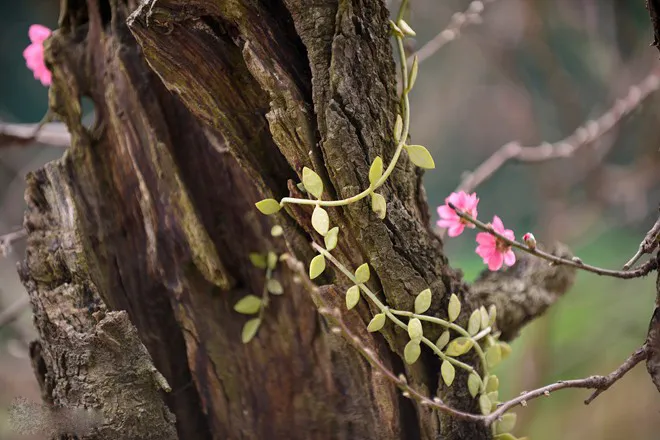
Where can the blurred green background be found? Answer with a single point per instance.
(533, 71)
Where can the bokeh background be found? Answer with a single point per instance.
(532, 71)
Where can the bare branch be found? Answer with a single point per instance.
(597, 383)
(459, 20)
(647, 245)
(54, 134)
(584, 135)
(7, 240)
(641, 271)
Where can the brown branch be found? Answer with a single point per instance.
(459, 20)
(52, 134)
(597, 383)
(647, 245)
(641, 271)
(584, 135)
(7, 240)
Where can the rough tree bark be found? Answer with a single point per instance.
(203, 108)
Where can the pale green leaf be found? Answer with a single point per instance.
(474, 382)
(493, 356)
(492, 315)
(248, 305)
(331, 238)
(379, 205)
(271, 260)
(506, 436)
(250, 329)
(376, 170)
(377, 322)
(411, 352)
(405, 28)
(420, 156)
(493, 384)
(258, 260)
(454, 307)
(320, 220)
(505, 349)
(362, 274)
(413, 73)
(398, 128)
(448, 372)
(423, 301)
(459, 346)
(484, 317)
(316, 266)
(493, 396)
(443, 340)
(396, 29)
(485, 404)
(276, 231)
(313, 183)
(273, 286)
(415, 330)
(474, 323)
(352, 297)
(506, 423)
(268, 206)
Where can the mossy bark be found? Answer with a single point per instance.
(203, 108)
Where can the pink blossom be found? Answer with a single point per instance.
(34, 53)
(494, 251)
(466, 203)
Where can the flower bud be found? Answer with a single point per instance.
(530, 240)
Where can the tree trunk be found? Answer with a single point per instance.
(204, 108)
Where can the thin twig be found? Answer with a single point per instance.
(459, 20)
(14, 310)
(584, 135)
(7, 240)
(597, 383)
(647, 245)
(54, 134)
(641, 271)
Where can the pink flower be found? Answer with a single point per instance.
(34, 53)
(493, 250)
(449, 218)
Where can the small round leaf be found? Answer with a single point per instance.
(316, 267)
(493, 384)
(493, 356)
(398, 128)
(362, 274)
(492, 315)
(484, 317)
(474, 383)
(376, 170)
(413, 73)
(420, 156)
(448, 372)
(474, 323)
(320, 220)
(331, 238)
(506, 423)
(313, 183)
(485, 404)
(250, 329)
(505, 349)
(459, 346)
(258, 260)
(273, 286)
(454, 307)
(379, 205)
(248, 305)
(271, 260)
(443, 340)
(423, 301)
(411, 352)
(377, 322)
(268, 206)
(506, 436)
(352, 297)
(276, 231)
(415, 330)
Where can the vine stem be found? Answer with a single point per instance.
(386, 310)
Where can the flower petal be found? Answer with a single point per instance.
(456, 230)
(509, 258)
(495, 261)
(498, 226)
(38, 33)
(486, 239)
(445, 211)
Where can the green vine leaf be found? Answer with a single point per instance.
(313, 183)
(474, 382)
(448, 372)
(423, 301)
(250, 329)
(415, 330)
(376, 170)
(276, 231)
(505, 436)
(352, 297)
(492, 315)
(273, 286)
(484, 317)
(493, 356)
(405, 28)
(505, 349)
(412, 351)
(413, 73)
(379, 205)
(443, 340)
(362, 274)
(493, 396)
(320, 220)
(248, 305)
(271, 260)
(268, 206)
(317, 266)
(420, 156)
(506, 423)
(485, 404)
(459, 346)
(493, 383)
(258, 260)
(474, 323)
(454, 307)
(377, 322)
(398, 128)
(330, 238)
